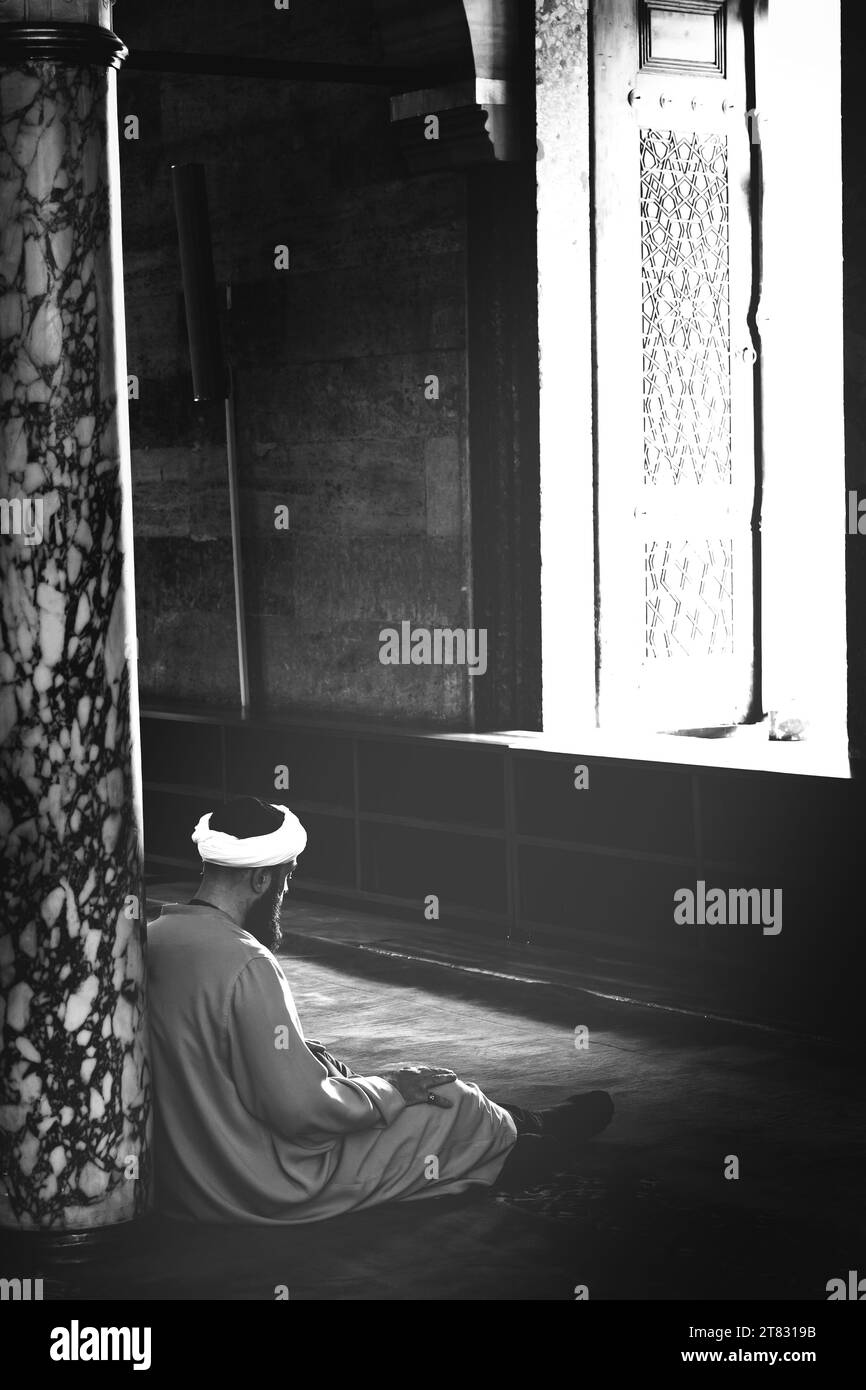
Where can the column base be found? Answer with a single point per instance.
(69, 1265)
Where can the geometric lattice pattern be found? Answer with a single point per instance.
(689, 598)
(686, 307)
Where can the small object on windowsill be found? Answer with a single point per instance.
(787, 726)
(714, 731)
(754, 733)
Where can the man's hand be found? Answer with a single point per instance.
(416, 1084)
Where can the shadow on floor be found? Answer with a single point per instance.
(646, 1211)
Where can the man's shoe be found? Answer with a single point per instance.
(576, 1119)
(594, 1112)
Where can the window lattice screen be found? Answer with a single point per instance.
(689, 598)
(686, 307)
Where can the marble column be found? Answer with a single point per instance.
(74, 1080)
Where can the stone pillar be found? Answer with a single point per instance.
(74, 1079)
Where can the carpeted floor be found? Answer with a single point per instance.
(645, 1211)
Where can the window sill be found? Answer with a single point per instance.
(745, 750)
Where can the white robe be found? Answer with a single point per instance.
(249, 1125)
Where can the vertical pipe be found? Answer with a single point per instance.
(756, 704)
(237, 556)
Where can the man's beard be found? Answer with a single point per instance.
(263, 918)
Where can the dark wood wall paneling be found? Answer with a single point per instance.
(512, 849)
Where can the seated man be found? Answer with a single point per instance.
(255, 1124)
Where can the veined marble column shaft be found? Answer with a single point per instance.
(74, 1080)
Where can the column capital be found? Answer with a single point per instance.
(97, 12)
(59, 31)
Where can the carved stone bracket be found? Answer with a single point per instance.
(477, 119)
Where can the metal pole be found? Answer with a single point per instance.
(237, 559)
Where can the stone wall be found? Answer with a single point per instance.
(330, 358)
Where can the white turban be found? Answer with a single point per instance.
(258, 852)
